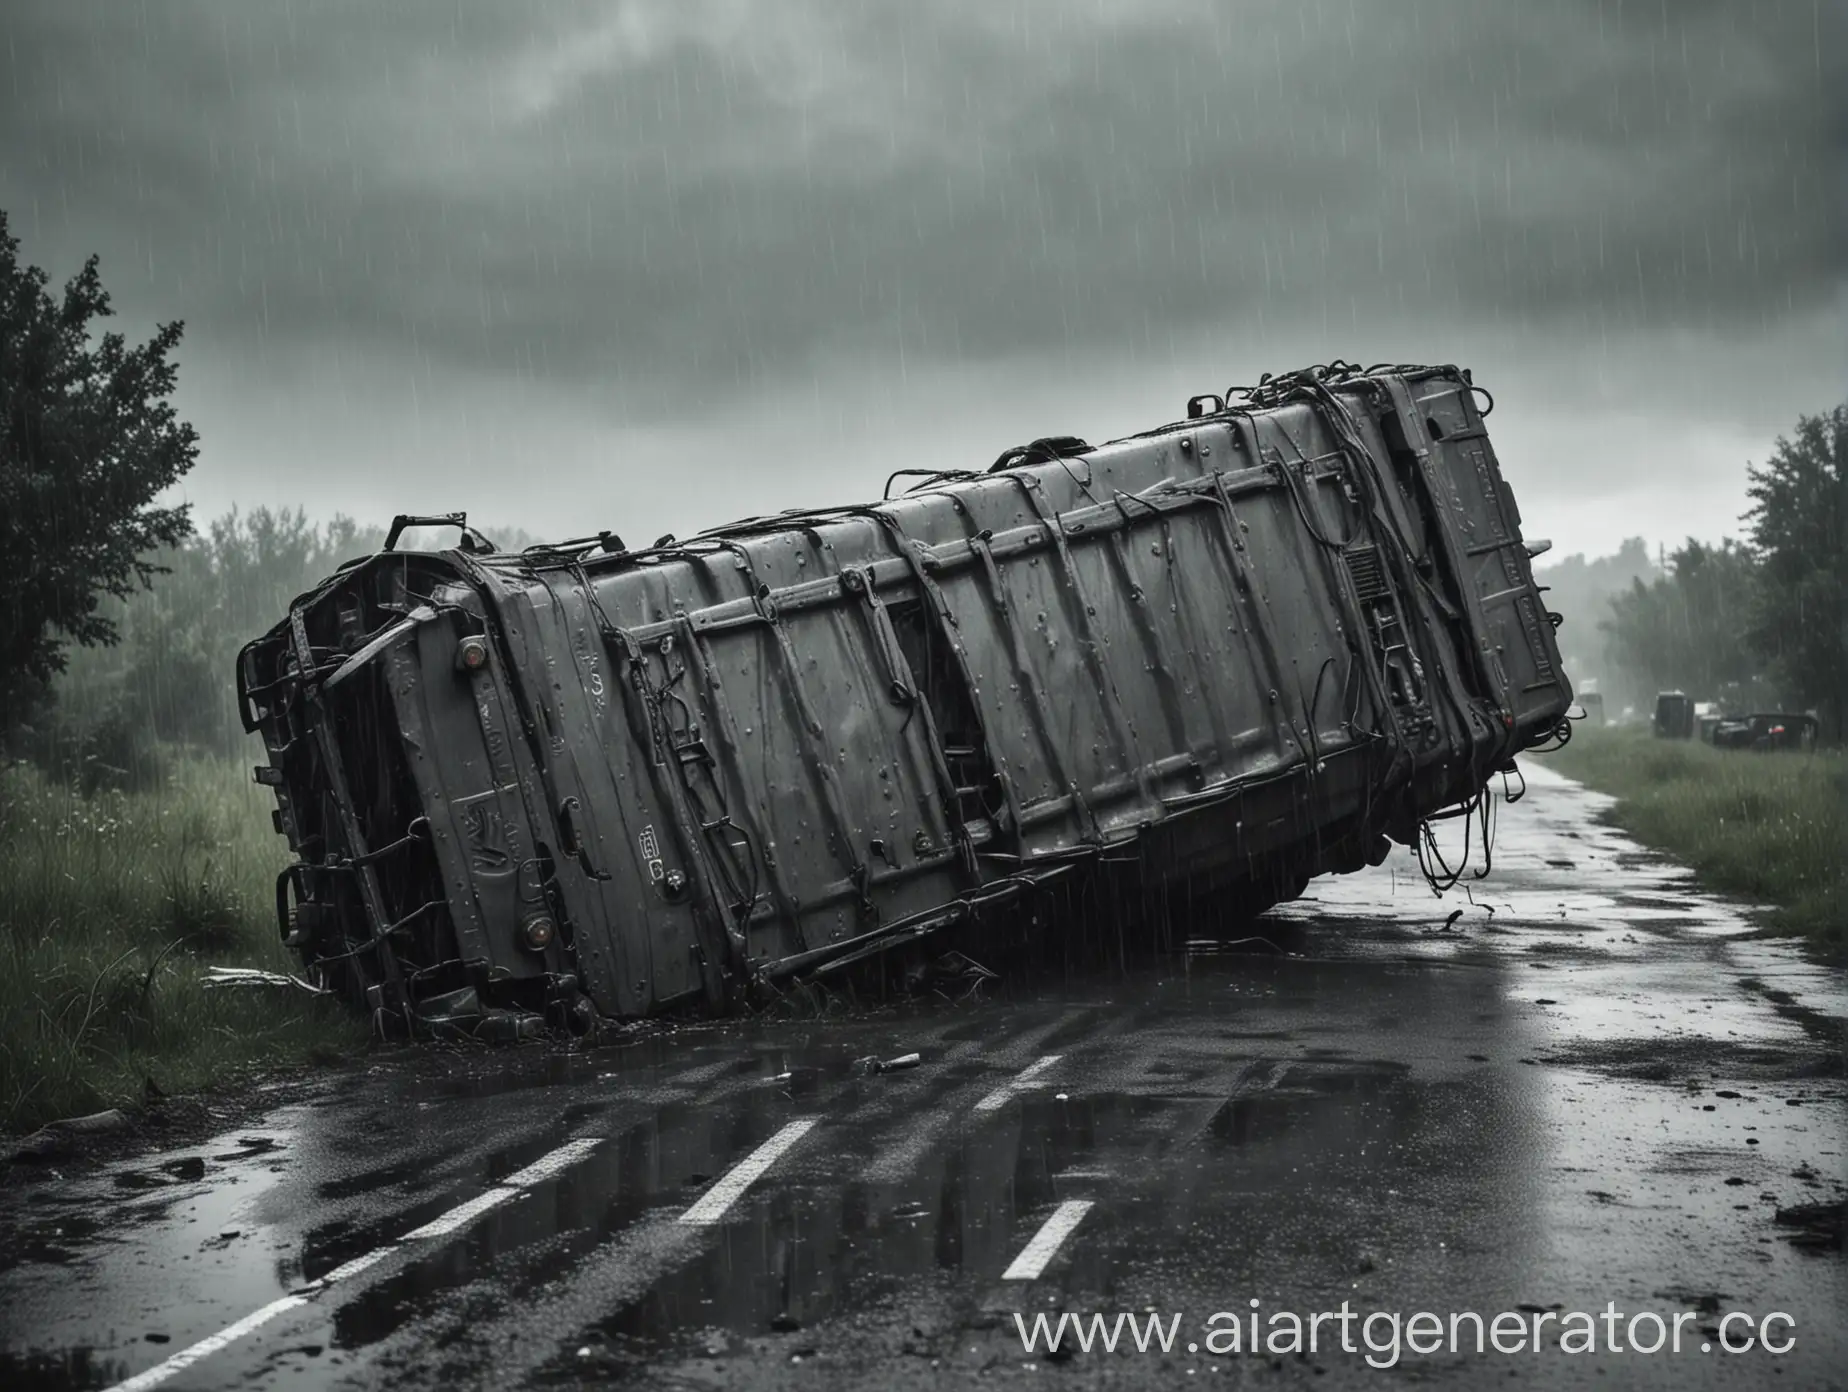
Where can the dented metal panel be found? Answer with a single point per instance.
(588, 782)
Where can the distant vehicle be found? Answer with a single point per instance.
(1766, 730)
(1707, 718)
(1674, 715)
(1593, 702)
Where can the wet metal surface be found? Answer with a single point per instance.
(1583, 1088)
(580, 782)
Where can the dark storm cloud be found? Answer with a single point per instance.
(682, 196)
(656, 265)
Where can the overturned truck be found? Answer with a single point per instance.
(583, 782)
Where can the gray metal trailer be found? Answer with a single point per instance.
(583, 782)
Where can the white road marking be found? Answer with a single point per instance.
(461, 1215)
(1000, 1096)
(347, 1270)
(545, 1167)
(721, 1196)
(1045, 1244)
(210, 1345)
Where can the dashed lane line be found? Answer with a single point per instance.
(552, 1164)
(710, 1208)
(545, 1167)
(1045, 1244)
(461, 1215)
(210, 1345)
(721, 1196)
(1001, 1095)
(345, 1271)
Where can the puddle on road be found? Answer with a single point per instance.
(819, 1238)
(819, 1250)
(1269, 1063)
(196, 1202)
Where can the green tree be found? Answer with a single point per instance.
(1799, 520)
(167, 686)
(1581, 590)
(88, 440)
(1690, 628)
(224, 588)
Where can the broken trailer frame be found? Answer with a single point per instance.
(582, 782)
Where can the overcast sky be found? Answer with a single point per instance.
(655, 266)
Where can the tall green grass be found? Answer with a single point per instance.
(111, 908)
(1772, 828)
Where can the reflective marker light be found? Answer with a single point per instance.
(472, 655)
(537, 933)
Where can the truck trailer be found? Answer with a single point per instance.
(585, 783)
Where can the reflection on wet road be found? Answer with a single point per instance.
(1586, 1087)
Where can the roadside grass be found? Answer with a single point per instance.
(1771, 828)
(111, 908)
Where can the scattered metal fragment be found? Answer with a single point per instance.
(873, 1064)
(252, 976)
(59, 1139)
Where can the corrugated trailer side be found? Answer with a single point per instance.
(1248, 644)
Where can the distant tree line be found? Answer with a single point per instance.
(1581, 590)
(1759, 622)
(117, 713)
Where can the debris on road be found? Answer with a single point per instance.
(59, 1139)
(253, 976)
(874, 1064)
(1213, 947)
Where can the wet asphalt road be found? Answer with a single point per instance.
(1587, 1088)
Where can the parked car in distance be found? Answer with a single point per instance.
(1674, 715)
(1766, 730)
(1593, 702)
